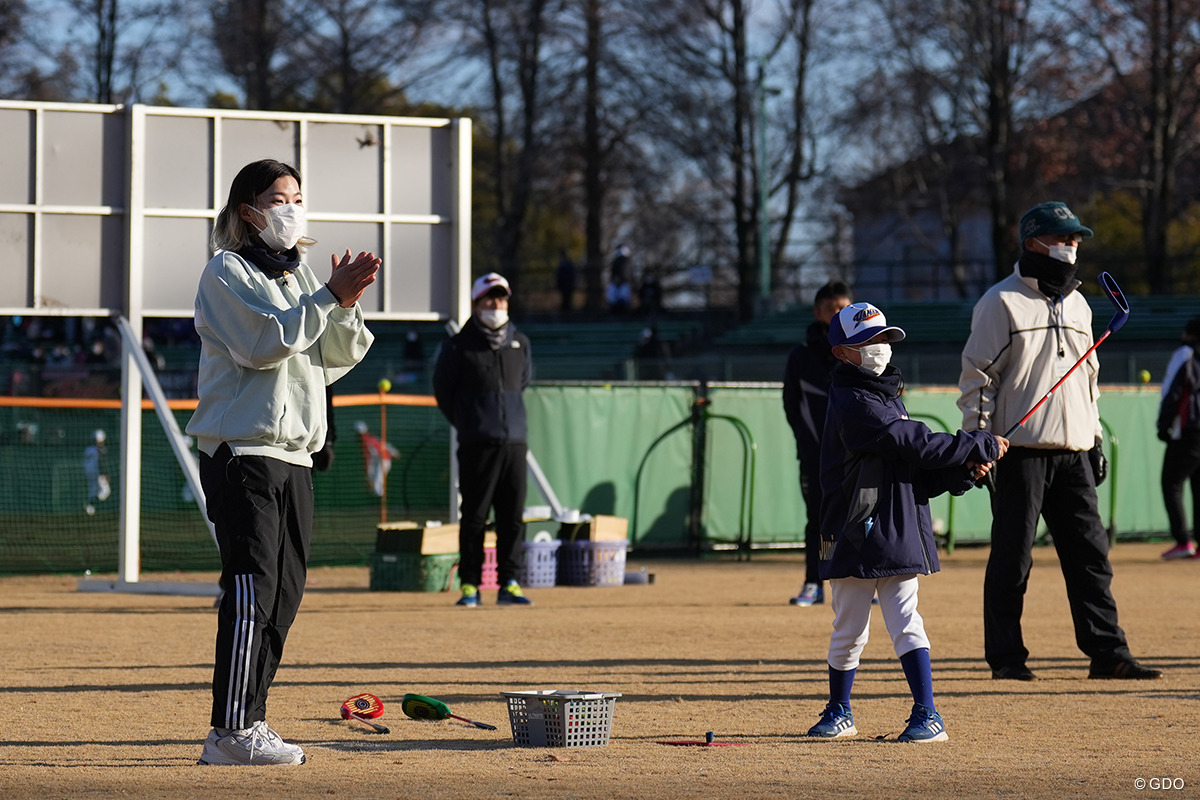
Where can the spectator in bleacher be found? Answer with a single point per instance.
(157, 362)
(619, 296)
(96, 353)
(479, 381)
(654, 356)
(414, 352)
(272, 336)
(564, 279)
(95, 470)
(805, 399)
(650, 294)
(1179, 427)
(619, 269)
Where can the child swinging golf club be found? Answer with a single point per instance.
(878, 470)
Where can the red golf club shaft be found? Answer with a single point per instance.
(1008, 434)
(483, 725)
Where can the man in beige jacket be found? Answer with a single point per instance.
(1027, 331)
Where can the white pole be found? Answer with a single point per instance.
(461, 260)
(129, 538)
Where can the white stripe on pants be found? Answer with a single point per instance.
(851, 600)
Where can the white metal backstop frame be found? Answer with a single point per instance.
(422, 183)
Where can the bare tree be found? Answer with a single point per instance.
(951, 81)
(800, 136)
(593, 159)
(249, 36)
(17, 70)
(509, 37)
(133, 47)
(357, 56)
(702, 62)
(1152, 48)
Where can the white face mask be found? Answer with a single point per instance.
(875, 357)
(284, 226)
(1061, 252)
(494, 318)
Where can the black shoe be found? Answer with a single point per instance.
(1013, 672)
(1124, 670)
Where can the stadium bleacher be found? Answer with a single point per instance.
(937, 330)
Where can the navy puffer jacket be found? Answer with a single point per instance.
(878, 471)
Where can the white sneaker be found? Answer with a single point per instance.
(257, 744)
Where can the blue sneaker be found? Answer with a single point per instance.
(511, 595)
(925, 725)
(835, 722)
(470, 596)
(811, 594)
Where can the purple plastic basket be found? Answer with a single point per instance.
(539, 564)
(592, 563)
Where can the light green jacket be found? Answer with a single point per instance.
(269, 347)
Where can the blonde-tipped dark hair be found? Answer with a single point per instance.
(231, 231)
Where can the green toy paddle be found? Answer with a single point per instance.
(418, 706)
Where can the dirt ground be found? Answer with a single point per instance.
(107, 696)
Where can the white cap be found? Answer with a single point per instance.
(487, 283)
(859, 322)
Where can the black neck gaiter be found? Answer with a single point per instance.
(1055, 278)
(274, 264)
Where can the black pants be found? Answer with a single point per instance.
(1181, 464)
(1057, 485)
(262, 509)
(810, 488)
(491, 476)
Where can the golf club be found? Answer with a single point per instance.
(418, 706)
(364, 708)
(1118, 299)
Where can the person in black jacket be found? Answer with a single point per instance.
(1179, 427)
(478, 381)
(805, 398)
(878, 470)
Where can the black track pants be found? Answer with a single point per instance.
(1181, 464)
(491, 476)
(1058, 486)
(262, 509)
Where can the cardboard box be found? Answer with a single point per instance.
(600, 528)
(408, 537)
(608, 529)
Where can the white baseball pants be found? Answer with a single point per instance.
(851, 600)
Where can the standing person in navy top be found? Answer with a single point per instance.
(805, 398)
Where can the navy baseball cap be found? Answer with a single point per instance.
(1051, 218)
(858, 322)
